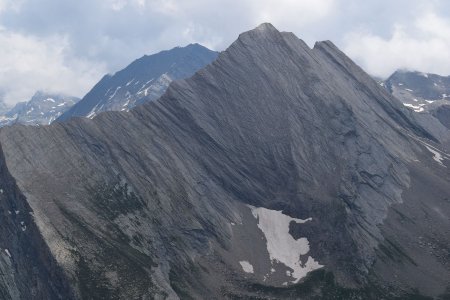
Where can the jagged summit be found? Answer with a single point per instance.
(42, 109)
(325, 45)
(265, 31)
(266, 27)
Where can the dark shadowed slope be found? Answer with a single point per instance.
(278, 171)
(145, 79)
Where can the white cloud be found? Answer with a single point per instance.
(68, 44)
(29, 64)
(423, 46)
(10, 5)
(291, 13)
(118, 4)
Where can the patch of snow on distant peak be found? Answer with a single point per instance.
(409, 90)
(282, 247)
(92, 114)
(50, 100)
(8, 253)
(424, 75)
(129, 82)
(436, 155)
(246, 266)
(416, 108)
(115, 92)
(29, 111)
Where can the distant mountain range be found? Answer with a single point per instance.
(42, 109)
(419, 91)
(426, 94)
(145, 79)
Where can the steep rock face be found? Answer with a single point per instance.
(42, 109)
(278, 171)
(28, 269)
(145, 79)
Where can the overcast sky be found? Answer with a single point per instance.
(67, 45)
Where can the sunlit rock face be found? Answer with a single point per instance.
(274, 145)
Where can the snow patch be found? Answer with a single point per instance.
(115, 92)
(282, 247)
(429, 101)
(23, 226)
(436, 155)
(49, 100)
(409, 90)
(246, 266)
(126, 103)
(416, 108)
(8, 253)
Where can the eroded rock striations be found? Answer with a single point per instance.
(198, 194)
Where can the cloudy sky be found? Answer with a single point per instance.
(66, 46)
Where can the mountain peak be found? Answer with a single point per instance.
(263, 31)
(325, 44)
(266, 27)
(145, 79)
